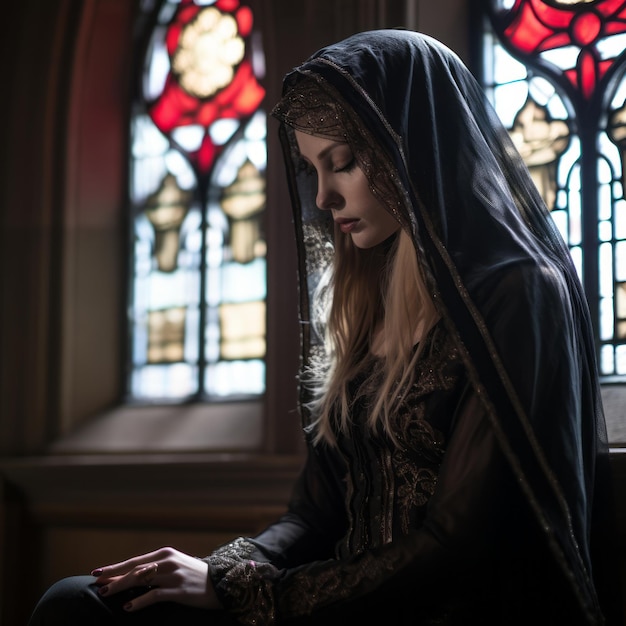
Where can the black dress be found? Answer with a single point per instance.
(496, 508)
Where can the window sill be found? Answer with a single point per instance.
(159, 466)
(191, 428)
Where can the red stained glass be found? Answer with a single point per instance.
(177, 106)
(534, 26)
(227, 5)
(244, 19)
(586, 28)
(204, 158)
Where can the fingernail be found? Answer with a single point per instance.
(128, 606)
(97, 572)
(103, 591)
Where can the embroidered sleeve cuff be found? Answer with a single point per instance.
(245, 587)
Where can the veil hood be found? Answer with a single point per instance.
(498, 271)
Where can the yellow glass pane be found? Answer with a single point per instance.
(243, 201)
(242, 330)
(246, 195)
(540, 141)
(166, 209)
(166, 335)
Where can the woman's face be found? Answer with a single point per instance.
(343, 189)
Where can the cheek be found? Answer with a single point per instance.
(388, 218)
(379, 215)
(381, 224)
(390, 225)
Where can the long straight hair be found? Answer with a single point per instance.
(370, 289)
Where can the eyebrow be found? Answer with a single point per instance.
(329, 148)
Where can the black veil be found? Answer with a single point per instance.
(496, 267)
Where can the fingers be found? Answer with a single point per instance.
(158, 594)
(123, 567)
(144, 575)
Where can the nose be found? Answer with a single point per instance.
(327, 196)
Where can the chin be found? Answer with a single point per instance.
(366, 243)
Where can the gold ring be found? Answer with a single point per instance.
(149, 572)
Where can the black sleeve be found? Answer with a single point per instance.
(316, 517)
(307, 532)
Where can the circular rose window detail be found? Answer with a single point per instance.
(208, 51)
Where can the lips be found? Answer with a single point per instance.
(346, 225)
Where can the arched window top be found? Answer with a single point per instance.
(578, 42)
(200, 73)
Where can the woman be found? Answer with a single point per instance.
(457, 462)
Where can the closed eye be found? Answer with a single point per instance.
(346, 168)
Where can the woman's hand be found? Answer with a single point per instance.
(171, 576)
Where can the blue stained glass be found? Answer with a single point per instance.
(212, 331)
(575, 213)
(560, 219)
(236, 377)
(243, 282)
(568, 160)
(192, 347)
(506, 69)
(605, 231)
(189, 137)
(222, 130)
(607, 360)
(165, 381)
(620, 219)
(612, 46)
(577, 258)
(565, 57)
(606, 270)
(508, 100)
(607, 319)
(605, 203)
(177, 165)
(620, 261)
(505, 4)
(620, 94)
(159, 65)
(620, 360)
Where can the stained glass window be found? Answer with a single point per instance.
(555, 72)
(197, 198)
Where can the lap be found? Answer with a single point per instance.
(75, 601)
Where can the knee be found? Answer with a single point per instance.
(69, 598)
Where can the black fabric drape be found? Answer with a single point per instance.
(496, 266)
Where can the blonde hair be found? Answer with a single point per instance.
(371, 289)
